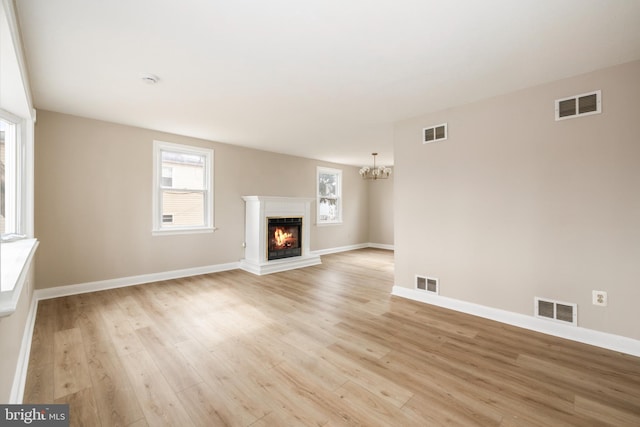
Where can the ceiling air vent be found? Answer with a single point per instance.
(434, 133)
(429, 284)
(579, 105)
(556, 310)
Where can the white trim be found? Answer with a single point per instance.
(17, 259)
(27, 193)
(192, 230)
(101, 285)
(381, 246)
(277, 199)
(22, 367)
(579, 334)
(17, 43)
(353, 248)
(341, 249)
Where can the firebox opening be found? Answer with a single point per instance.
(283, 237)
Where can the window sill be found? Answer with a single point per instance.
(16, 258)
(183, 231)
(325, 224)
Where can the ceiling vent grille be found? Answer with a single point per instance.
(434, 133)
(428, 284)
(579, 105)
(558, 311)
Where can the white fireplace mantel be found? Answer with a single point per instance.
(257, 210)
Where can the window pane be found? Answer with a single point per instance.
(8, 178)
(186, 170)
(185, 208)
(167, 177)
(327, 184)
(2, 169)
(328, 209)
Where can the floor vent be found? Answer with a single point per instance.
(558, 311)
(579, 105)
(434, 133)
(429, 284)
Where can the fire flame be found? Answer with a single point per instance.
(281, 237)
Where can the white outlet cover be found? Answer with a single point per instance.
(599, 298)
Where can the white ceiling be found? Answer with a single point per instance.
(323, 79)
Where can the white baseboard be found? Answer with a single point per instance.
(341, 249)
(102, 285)
(352, 248)
(382, 246)
(574, 333)
(22, 367)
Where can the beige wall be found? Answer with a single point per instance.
(381, 211)
(11, 333)
(515, 205)
(93, 202)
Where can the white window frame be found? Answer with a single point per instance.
(160, 228)
(338, 196)
(16, 209)
(16, 256)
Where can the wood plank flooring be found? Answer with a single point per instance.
(320, 346)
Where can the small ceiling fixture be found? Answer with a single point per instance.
(149, 79)
(377, 172)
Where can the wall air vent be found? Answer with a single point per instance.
(434, 133)
(428, 284)
(579, 105)
(558, 311)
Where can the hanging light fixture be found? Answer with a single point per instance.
(377, 172)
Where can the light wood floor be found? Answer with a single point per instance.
(324, 345)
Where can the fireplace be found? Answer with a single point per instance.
(277, 234)
(283, 237)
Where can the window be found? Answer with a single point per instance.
(329, 203)
(183, 188)
(17, 117)
(10, 172)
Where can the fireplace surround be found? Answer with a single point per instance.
(277, 234)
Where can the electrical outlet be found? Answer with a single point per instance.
(599, 298)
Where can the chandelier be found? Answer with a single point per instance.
(379, 172)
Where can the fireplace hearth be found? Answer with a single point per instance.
(283, 235)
